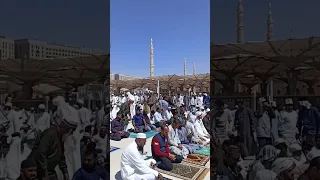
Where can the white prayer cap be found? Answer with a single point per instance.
(8, 104)
(281, 164)
(112, 94)
(202, 108)
(80, 101)
(122, 95)
(294, 147)
(274, 104)
(57, 101)
(205, 94)
(279, 141)
(198, 113)
(208, 110)
(42, 106)
(289, 101)
(141, 136)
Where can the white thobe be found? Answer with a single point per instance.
(14, 123)
(101, 143)
(287, 126)
(174, 141)
(201, 131)
(192, 102)
(133, 166)
(85, 116)
(157, 117)
(72, 152)
(13, 159)
(43, 122)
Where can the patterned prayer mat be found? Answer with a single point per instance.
(197, 159)
(112, 148)
(149, 134)
(204, 151)
(187, 171)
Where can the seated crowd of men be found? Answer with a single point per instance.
(273, 143)
(181, 134)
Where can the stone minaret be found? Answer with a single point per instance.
(240, 25)
(151, 60)
(194, 68)
(269, 24)
(185, 67)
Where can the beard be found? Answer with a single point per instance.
(89, 168)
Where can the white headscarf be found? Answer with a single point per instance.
(281, 164)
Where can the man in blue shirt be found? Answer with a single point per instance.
(139, 123)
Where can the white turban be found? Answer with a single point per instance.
(59, 100)
(281, 164)
(265, 174)
(68, 114)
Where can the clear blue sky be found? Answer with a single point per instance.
(179, 29)
(80, 23)
(302, 17)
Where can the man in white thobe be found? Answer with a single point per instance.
(200, 130)
(174, 141)
(43, 123)
(133, 166)
(84, 113)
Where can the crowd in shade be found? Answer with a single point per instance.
(66, 141)
(180, 123)
(276, 142)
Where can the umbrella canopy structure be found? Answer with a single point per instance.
(167, 83)
(290, 60)
(65, 73)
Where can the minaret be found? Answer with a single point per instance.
(185, 67)
(194, 68)
(240, 25)
(269, 24)
(151, 60)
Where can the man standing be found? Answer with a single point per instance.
(133, 166)
(245, 124)
(161, 151)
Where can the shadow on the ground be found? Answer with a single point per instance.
(118, 176)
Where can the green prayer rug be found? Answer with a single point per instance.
(204, 151)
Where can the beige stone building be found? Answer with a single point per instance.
(32, 49)
(7, 49)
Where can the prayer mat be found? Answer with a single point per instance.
(197, 159)
(148, 157)
(112, 148)
(186, 171)
(204, 151)
(149, 134)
